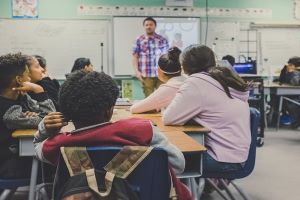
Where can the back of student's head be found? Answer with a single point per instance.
(199, 58)
(11, 65)
(230, 59)
(41, 60)
(169, 62)
(88, 98)
(80, 63)
(294, 61)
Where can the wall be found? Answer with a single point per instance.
(67, 9)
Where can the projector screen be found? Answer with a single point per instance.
(180, 32)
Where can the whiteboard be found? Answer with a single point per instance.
(59, 41)
(222, 37)
(128, 29)
(277, 46)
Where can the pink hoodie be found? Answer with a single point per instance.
(160, 98)
(203, 99)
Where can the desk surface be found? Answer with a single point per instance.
(277, 85)
(23, 133)
(175, 134)
(121, 113)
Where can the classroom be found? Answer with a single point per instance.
(205, 93)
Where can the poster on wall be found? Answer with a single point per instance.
(24, 8)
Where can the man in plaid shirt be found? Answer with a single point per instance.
(148, 48)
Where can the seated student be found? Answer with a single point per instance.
(82, 64)
(169, 72)
(230, 59)
(88, 100)
(216, 98)
(18, 111)
(290, 73)
(51, 86)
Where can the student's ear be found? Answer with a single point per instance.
(19, 80)
(109, 113)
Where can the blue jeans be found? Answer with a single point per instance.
(211, 166)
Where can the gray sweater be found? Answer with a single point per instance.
(13, 117)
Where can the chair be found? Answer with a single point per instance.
(249, 164)
(150, 178)
(10, 186)
(280, 108)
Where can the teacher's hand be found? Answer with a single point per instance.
(138, 75)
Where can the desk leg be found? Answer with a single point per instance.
(279, 111)
(33, 178)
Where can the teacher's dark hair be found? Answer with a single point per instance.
(149, 19)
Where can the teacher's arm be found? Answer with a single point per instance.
(135, 61)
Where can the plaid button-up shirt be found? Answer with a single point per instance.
(149, 49)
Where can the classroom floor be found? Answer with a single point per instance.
(277, 172)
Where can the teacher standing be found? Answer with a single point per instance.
(148, 48)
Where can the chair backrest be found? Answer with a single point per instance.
(13, 183)
(150, 178)
(250, 162)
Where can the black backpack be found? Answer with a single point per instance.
(109, 184)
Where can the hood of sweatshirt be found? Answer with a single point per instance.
(234, 93)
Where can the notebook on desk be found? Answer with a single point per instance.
(123, 102)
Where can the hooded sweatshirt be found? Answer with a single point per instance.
(203, 99)
(160, 98)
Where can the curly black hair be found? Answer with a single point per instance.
(11, 65)
(87, 98)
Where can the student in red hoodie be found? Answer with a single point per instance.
(88, 100)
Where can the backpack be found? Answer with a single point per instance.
(85, 182)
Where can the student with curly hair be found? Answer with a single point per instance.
(169, 72)
(18, 111)
(88, 100)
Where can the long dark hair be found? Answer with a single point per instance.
(80, 63)
(169, 62)
(200, 58)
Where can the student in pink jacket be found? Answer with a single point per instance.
(216, 98)
(169, 72)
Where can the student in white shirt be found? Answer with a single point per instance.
(169, 72)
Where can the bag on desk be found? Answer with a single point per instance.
(87, 183)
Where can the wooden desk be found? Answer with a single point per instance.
(280, 89)
(122, 113)
(26, 149)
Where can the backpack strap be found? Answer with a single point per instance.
(127, 160)
(77, 159)
(172, 195)
(92, 182)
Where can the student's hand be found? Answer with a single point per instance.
(29, 87)
(54, 121)
(29, 114)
